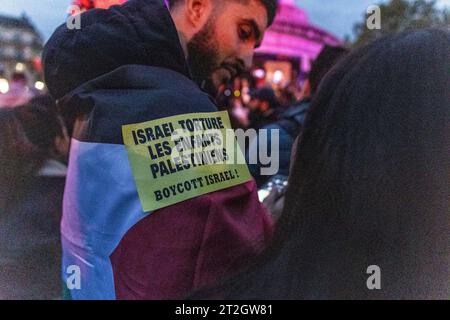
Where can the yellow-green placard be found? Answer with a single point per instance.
(181, 157)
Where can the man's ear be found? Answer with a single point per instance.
(198, 12)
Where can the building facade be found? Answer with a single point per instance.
(290, 45)
(20, 48)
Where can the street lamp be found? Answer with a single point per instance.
(4, 85)
(20, 67)
(39, 85)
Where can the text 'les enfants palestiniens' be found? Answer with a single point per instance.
(204, 136)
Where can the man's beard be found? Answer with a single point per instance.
(203, 57)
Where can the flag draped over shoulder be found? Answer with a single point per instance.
(126, 66)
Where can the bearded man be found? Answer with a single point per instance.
(132, 64)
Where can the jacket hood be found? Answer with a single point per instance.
(139, 32)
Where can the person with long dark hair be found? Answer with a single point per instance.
(33, 146)
(367, 212)
(18, 157)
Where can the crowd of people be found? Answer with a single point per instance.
(364, 147)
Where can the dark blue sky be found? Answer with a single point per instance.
(337, 16)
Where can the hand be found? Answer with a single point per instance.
(274, 203)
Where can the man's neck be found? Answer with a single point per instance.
(183, 43)
(181, 35)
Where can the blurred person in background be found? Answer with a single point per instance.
(18, 94)
(263, 107)
(47, 102)
(33, 150)
(292, 120)
(286, 96)
(370, 183)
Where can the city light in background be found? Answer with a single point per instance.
(314, 25)
(336, 15)
(4, 85)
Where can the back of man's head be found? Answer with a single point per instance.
(270, 5)
(266, 94)
(326, 59)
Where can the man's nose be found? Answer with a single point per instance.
(247, 56)
(248, 61)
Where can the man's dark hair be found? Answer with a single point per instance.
(326, 59)
(271, 7)
(267, 95)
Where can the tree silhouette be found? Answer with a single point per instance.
(401, 15)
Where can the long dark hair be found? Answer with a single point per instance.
(27, 136)
(371, 182)
(19, 158)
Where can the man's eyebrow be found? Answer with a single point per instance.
(256, 31)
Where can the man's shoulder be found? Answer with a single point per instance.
(139, 32)
(141, 85)
(133, 94)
